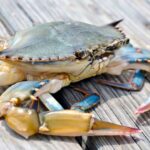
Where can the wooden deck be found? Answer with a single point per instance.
(116, 105)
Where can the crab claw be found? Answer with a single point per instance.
(24, 121)
(108, 129)
(75, 123)
(144, 107)
(15, 95)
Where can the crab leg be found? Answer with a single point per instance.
(87, 103)
(50, 102)
(143, 58)
(129, 56)
(75, 123)
(26, 122)
(90, 100)
(54, 85)
(135, 83)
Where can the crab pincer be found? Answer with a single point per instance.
(26, 122)
(23, 121)
(75, 123)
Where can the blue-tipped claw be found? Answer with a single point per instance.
(135, 83)
(87, 103)
(137, 80)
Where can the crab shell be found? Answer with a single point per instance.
(73, 48)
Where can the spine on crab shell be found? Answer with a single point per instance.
(115, 23)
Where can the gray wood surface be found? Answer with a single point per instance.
(116, 105)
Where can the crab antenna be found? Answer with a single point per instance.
(115, 23)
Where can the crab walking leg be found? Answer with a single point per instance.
(130, 58)
(86, 103)
(90, 100)
(135, 83)
(75, 123)
(50, 102)
(127, 58)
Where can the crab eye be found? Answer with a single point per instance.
(80, 54)
(127, 41)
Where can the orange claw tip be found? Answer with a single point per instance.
(143, 108)
(135, 130)
(110, 129)
(129, 131)
(138, 112)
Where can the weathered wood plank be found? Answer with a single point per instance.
(116, 105)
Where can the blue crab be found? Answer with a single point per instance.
(48, 57)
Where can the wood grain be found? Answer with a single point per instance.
(116, 105)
